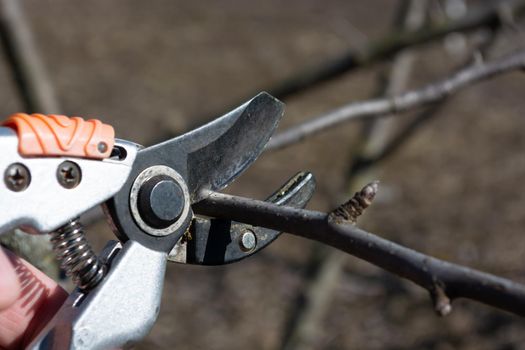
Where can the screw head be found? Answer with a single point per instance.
(248, 241)
(69, 174)
(17, 177)
(102, 147)
(160, 201)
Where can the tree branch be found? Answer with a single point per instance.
(364, 161)
(483, 16)
(36, 92)
(324, 268)
(429, 94)
(34, 85)
(486, 16)
(440, 278)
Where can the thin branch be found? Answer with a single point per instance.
(37, 95)
(376, 131)
(429, 94)
(363, 162)
(452, 280)
(33, 83)
(391, 44)
(382, 49)
(325, 266)
(375, 143)
(321, 276)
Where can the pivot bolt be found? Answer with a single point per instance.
(69, 174)
(248, 241)
(160, 201)
(17, 177)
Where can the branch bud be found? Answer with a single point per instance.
(351, 210)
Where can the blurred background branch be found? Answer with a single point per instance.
(26, 66)
(428, 94)
(37, 95)
(325, 265)
(378, 140)
(487, 15)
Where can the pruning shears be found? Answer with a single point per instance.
(56, 168)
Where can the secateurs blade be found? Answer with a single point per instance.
(56, 168)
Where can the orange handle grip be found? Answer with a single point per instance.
(58, 135)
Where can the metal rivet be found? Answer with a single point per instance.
(17, 177)
(69, 174)
(102, 147)
(248, 241)
(161, 201)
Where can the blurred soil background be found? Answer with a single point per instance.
(155, 69)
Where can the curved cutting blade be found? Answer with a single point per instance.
(212, 156)
(218, 242)
(207, 159)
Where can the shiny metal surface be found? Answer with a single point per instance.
(149, 173)
(76, 257)
(207, 158)
(45, 204)
(118, 312)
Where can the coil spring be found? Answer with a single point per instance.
(76, 257)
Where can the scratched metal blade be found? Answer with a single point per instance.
(212, 156)
(207, 158)
(218, 242)
(246, 131)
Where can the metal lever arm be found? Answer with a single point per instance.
(119, 311)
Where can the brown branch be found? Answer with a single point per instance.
(28, 71)
(389, 147)
(429, 94)
(440, 278)
(361, 164)
(391, 44)
(485, 16)
(325, 266)
(37, 95)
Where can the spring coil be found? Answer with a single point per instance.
(76, 257)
